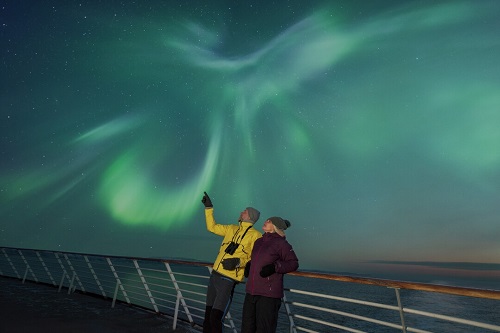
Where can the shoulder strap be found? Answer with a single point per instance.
(245, 233)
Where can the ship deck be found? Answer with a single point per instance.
(37, 307)
(47, 291)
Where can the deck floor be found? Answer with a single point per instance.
(35, 307)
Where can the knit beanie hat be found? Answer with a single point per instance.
(280, 223)
(253, 213)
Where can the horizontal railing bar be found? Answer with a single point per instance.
(127, 285)
(111, 279)
(122, 278)
(170, 261)
(350, 315)
(343, 299)
(175, 295)
(195, 301)
(416, 330)
(150, 278)
(167, 288)
(453, 319)
(192, 275)
(154, 270)
(193, 292)
(461, 291)
(155, 277)
(142, 301)
(191, 284)
(319, 321)
(151, 285)
(303, 329)
(407, 310)
(171, 295)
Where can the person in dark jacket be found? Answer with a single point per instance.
(272, 257)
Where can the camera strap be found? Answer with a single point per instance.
(245, 233)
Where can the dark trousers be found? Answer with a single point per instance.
(219, 296)
(260, 314)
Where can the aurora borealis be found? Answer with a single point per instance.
(372, 126)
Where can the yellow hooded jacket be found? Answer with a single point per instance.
(232, 232)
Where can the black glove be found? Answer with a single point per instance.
(231, 263)
(267, 270)
(247, 269)
(206, 201)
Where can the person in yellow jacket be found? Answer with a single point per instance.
(229, 267)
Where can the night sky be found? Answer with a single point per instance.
(373, 126)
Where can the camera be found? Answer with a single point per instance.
(231, 248)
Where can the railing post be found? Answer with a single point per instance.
(116, 293)
(28, 267)
(95, 276)
(46, 268)
(401, 310)
(11, 264)
(65, 273)
(146, 287)
(118, 282)
(232, 325)
(289, 314)
(70, 288)
(180, 298)
(25, 273)
(176, 311)
(75, 275)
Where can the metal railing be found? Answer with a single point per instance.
(313, 302)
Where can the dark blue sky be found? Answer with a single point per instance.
(372, 128)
